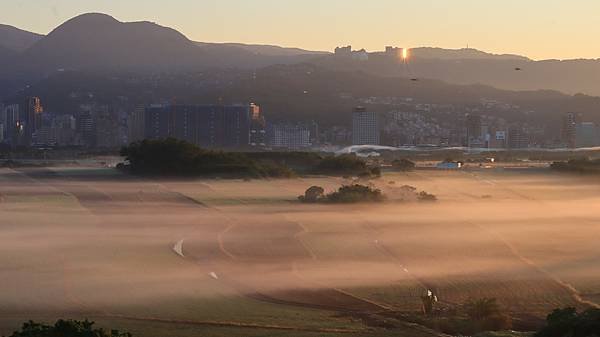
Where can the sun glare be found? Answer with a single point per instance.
(404, 54)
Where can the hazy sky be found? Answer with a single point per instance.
(536, 28)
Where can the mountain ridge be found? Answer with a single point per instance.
(99, 41)
(16, 39)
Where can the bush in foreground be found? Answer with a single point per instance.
(570, 323)
(487, 312)
(65, 328)
(473, 317)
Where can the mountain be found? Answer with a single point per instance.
(7, 55)
(16, 39)
(99, 40)
(268, 50)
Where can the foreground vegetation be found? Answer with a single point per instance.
(570, 323)
(481, 317)
(66, 328)
(473, 317)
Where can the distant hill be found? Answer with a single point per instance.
(305, 92)
(268, 50)
(16, 39)
(461, 54)
(469, 66)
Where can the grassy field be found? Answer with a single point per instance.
(94, 243)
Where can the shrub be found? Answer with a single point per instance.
(482, 308)
(568, 322)
(577, 166)
(65, 328)
(487, 312)
(355, 193)
(426, 197)
(348, 164)
(312, 195)
(403, 165)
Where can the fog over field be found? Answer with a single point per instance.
(89, 242)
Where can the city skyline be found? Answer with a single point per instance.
(561, 31)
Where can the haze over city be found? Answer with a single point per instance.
(539, 29)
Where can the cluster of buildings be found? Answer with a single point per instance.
(471, 129)
(480, 133)
(220, 126)
(362, 55)
(19, 122)
(26, 124)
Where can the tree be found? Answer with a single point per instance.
(173, 157)
(482, 308)
(355, 193)
(403, 165)
(347, 164)
(313, 194)
(488, 314)
(569, 323)
(424, 196)
(65, 328)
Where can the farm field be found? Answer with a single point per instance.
(231, 257)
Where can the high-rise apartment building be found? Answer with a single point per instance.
(11, 123)
(220, 126)
(365, 127)
(136, 124)
(474, 130)
(258, 130)
(569, 128)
